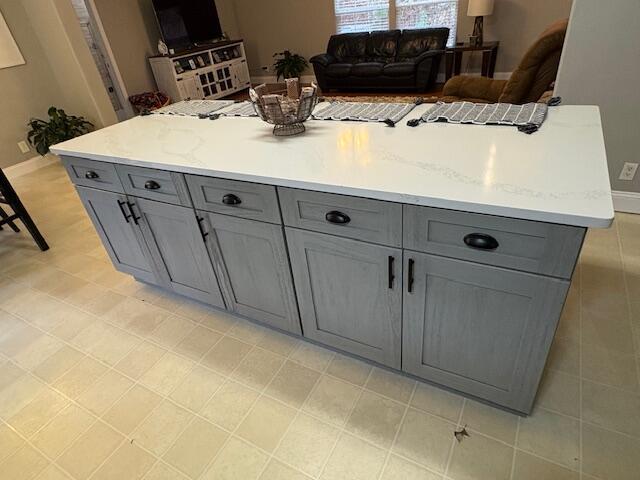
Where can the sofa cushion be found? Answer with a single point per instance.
(338, 69)
(382, 46)
(399, 69)
(367, 69)
(348, 47)
(414, 42)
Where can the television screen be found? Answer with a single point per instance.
(184, 23)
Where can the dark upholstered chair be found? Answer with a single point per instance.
(530, 80)
(390, 59)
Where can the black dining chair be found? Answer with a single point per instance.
(8, 196)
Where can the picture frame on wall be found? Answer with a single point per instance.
(10, 55)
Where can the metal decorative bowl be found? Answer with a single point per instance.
(286, 115)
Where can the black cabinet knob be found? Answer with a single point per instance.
(481, 241)
(231, 199)
(151, 185)
(91, 175)
(336, 217)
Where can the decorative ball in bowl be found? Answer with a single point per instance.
(285, 107)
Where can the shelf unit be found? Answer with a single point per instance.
(210, 72)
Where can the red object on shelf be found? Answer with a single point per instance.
(149, 101)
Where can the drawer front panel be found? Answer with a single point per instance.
(90, 173)
(231, 197)
(360, 218)
(536, 247)
(168, 187)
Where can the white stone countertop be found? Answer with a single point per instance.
(558, 174)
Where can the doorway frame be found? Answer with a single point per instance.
(110, 61)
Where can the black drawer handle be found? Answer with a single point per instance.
(390, 271)
(410, 275)
(91, 175)
(151, 185)
(481, 241)
(336, 217)
(231, 199)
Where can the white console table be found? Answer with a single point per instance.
(210, 72)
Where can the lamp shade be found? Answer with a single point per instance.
(480, 8)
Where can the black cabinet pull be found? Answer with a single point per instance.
(337, 217)
(410, 276)
(202, 231)
(481, 241)
(391, 275)
(124, 214)
(133, 213)
(91, 175)
(151, 185)
(231, 199)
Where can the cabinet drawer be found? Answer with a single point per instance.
(536, 247)
(90, 173)
(353, 217)
(232, 197)
(168, 187)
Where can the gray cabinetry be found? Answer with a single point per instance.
(177, 247)
(536, 247)
(169, 187)
(360, 218)
(349, 294)
(231, 197)
(253, 267)
(90, 173)
(112, 218)
(479, 329)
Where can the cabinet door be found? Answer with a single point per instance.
(112, 219)
(251, 259)
(349, 294)
(177, 246)
(479, 329)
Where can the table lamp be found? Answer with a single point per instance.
(478, 9)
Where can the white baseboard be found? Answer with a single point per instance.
(628, 202)
(31, 165)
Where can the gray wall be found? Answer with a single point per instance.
(601, 66)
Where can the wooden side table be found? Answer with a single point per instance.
(453, 58)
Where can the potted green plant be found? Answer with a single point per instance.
(289, 65)
(59, 128)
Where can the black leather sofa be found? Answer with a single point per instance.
(389, 59)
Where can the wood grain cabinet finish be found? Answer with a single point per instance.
(537, 247)
(177, 246)
(240, 199)
(90, 173)
(168, 187)
(364, 219)
(251, 260)
(349, 294)
(479, 329)
(123, 241)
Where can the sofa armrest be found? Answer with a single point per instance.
(463, 86)
(323, 59)
(428, 54)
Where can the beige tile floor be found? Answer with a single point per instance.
(104, 378)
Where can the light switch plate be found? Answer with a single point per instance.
(628, 171)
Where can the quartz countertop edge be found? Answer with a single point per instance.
(557, 175)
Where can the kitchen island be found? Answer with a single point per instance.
(442, 251)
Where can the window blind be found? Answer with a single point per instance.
(428, 14)
(361, 15)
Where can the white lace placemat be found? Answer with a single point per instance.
(363, 112)
(193, 108)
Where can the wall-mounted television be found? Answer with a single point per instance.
(185, 23)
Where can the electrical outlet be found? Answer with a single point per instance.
(23, 146)
(628, 171)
